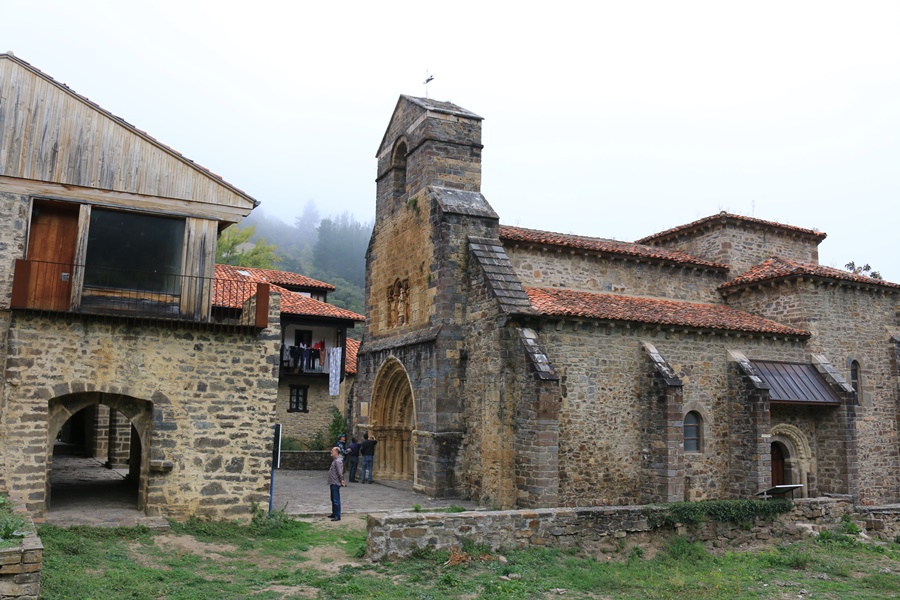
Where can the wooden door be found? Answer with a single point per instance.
(51, 250)
(777, 465)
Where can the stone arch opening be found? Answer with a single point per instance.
(798, 464)
(98, 451)
(393, 423)
(398, 168)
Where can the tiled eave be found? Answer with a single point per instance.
(651, 315)
(723, 219)
(796, 280)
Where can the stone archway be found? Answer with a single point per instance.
(392, 419)
(798, 459)
(134, 433)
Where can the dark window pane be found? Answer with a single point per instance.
(692, 432)
(134, 251)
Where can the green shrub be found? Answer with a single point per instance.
(848, 526)
(337, 426)
(317, 442)
(742, 512)
(290, 444)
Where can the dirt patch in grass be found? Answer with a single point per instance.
(188, 544)
(292, 591)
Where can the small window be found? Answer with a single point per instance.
(693, 432)
(856, 379)
(298, 398)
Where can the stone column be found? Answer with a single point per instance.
(664, 432)
(119, 441)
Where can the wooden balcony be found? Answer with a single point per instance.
(76, 289)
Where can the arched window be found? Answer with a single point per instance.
(398, 169)
(693, 432)
(856, 379)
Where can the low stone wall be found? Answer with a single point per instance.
(20, 566)
(594, 530)
(306, 460)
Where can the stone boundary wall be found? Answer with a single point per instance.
(20, 566)
(603, 529)
(307, 460)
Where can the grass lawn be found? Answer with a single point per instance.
(283, 558)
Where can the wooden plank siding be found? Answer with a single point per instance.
(48, 133)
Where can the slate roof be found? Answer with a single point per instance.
(500, 275)
(724, 217)
(232, 288)
(777, 268)
(442, 107)
(603, 246)
(795, 383)
(350, 360)
(558, 302)
(127, 125)
(271, 276)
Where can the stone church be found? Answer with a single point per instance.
(526, 368)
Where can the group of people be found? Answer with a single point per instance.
(352, 452)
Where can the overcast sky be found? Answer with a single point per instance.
(609, 119)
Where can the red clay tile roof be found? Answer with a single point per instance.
(350, 359)
(781, 268)
(293, 303)
(614, 307)
(580, 242)
(723, 217)
(231, 288)
(270, 276)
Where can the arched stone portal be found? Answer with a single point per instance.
(798, 461)
(138, 414)
(393, 423)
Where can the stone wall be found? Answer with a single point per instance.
(14, 216)
(596, 531)
(20, 566)
(848, 323)
(306, 461)
(203, 402)
(304, 425)
(537, 267)
(606, 388)
(743, 245)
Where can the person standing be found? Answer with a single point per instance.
(335, 482)
(367, 452)
(353, 460)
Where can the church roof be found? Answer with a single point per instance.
(777, 268)
(557, 302)
(603, 246)
(727, 218)
(447, 108)
(285, 278)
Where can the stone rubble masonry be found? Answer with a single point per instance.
(537, 267)
(202, 401)
(304, 425)
(601, 531)
(742, 245)
(20, 566)
(847, 323)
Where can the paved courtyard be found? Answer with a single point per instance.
(84, 492)
(306, 493)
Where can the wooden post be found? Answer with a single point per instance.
(262, 305)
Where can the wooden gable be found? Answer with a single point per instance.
(50, 134)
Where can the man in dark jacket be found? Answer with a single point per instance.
(367, 453)
(353, 460)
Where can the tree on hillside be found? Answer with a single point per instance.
(234, 248)
(865, 270)
(341, 248)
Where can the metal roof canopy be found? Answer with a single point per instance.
(796, 383)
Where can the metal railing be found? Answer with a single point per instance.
(81, 289)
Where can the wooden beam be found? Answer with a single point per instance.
(262, 305)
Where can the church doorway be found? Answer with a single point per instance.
(393, 423)
(779, 474)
